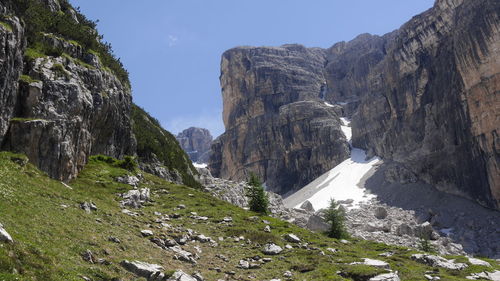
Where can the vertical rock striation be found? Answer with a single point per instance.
(425, 95)
(433, 102)
(276, 124)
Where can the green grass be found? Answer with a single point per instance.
(31, 54)
(50, 238)
(6, 25)
(153, 139)
(27, 79)
(20, 119)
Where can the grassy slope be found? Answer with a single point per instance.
(152, 138)
(50, 238)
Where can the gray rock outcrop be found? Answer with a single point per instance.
(65, 110)
(423, 95)
(196, 142)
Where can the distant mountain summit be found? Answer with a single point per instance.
(196, 143)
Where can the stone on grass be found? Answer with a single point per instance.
(272, 249)
(393, 276)
(142, 269)
(146, 232)
(475, 261)
(180, 275)
(4, 235)
(292, 238)
(437, 261)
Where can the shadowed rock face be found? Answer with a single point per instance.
(433, 101)
(425, 95)
(196, 143)
(11, 60)
(276, 124)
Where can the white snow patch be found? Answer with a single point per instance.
(200, 165)
(346, 128)
(341, 183)
(329, 104)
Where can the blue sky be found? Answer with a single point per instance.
(172, 48)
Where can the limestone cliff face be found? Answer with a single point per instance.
(276, 124)
(70, 107)
(196, 142)
(62, 108)
(425, 95)
(11, 60)
(433, 101)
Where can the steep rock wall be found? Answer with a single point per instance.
(196, 142)
(276, 124)
(433, 102)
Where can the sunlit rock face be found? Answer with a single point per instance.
(276, 123)
(425, 95)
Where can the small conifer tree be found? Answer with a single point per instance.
(335, 216)
(258, 200)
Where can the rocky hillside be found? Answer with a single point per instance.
(111, 223)
(65, 96)
(276, 124)
(196, 142)
(423, 96)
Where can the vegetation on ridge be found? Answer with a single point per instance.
(153, 139)
(39, 19)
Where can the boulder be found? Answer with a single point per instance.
(380, 213)
(307, 206)
(180, 275)
(393, 276)
(475, 261)
(135, 198)
(130, 180)
(272, 249)
(437, 261)
(4, 235)
(292, 238)
(142, 269)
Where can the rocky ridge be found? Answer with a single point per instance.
(196, 142)
(63, 101)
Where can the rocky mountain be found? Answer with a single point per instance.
(196, 142)
(424, 96)
(64, 96)
(276, 123)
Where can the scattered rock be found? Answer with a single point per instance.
(374, 263)
(495, 276)
(393, 276)
(430, 277)
(267, 228)
(114, 239)
(380, 213)
(272, 249)
(181, 206)
(130, 213)
(4, 235)
(475, 261)
(198, 277)
(203, 239)
(88, 256)
(308, 206)
(404, 229)
(244, 264)
(130, 180)
(292, 238)
(147, 233)
(180, 275)
(437, 261)
(88, 207)
(143, 269)
(135, 198)
(288, 274)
